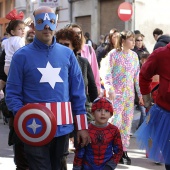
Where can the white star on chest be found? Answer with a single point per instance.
(50, 75)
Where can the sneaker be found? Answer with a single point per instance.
(5, 120)
(125, 159)
(157, 163)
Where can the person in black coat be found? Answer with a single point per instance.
(139, 47)
(70, 38)
(161, 40)
(109, 43)
(3, 76)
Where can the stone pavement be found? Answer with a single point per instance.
(138, 158)
(139, 161)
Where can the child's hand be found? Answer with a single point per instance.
(141, 102)
(111, 95)
(147, 100)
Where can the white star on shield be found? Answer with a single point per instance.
(50, 75)
(34, 126)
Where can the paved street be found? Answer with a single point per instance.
(139, 161)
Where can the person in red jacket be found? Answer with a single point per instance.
(154, 133)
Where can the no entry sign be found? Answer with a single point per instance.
(125, 11)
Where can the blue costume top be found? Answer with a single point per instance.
(42, 73)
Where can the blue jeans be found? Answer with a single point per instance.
(20, 157)
(49, 156)
(143, 114)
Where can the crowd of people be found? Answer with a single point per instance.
(98, 88)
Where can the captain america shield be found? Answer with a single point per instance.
(35, 124)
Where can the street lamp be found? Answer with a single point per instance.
(70, 1)
(33, 2)
(28, 8)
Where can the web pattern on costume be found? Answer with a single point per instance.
(106, 145)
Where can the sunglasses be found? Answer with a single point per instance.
(65, 44)
(139, 40)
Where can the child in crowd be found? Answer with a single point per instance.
(143, 56)
(105, 149)
(16, 30)
(155, 80)
(154, 86)
(120, 75)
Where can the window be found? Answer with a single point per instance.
(0, 9)
(8, 6)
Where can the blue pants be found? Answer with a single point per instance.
(49, 156)
(20, 157)
(167, 167)
(143, 114)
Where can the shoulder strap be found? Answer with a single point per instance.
(90, 49)
(155, 88)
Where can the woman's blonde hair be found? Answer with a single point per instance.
(123, 36)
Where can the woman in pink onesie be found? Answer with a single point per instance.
(120, 77)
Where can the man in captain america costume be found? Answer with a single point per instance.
(47, 73)
(105, 149)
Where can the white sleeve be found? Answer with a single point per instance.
(18, 43)
(13, 44)
(89, 43)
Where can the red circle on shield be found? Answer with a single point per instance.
(35, 124)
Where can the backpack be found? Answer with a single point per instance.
(90, 50)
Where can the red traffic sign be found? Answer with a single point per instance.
(35, 124)
(125, 11)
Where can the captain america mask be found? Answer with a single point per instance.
(43, 19)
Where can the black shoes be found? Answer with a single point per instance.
(125, 159)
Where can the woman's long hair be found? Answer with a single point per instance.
(123, 36)
(74, 25)
(71, 35)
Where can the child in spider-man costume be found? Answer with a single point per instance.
(105, 149)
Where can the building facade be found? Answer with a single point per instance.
(99, 16)
(5, 7)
